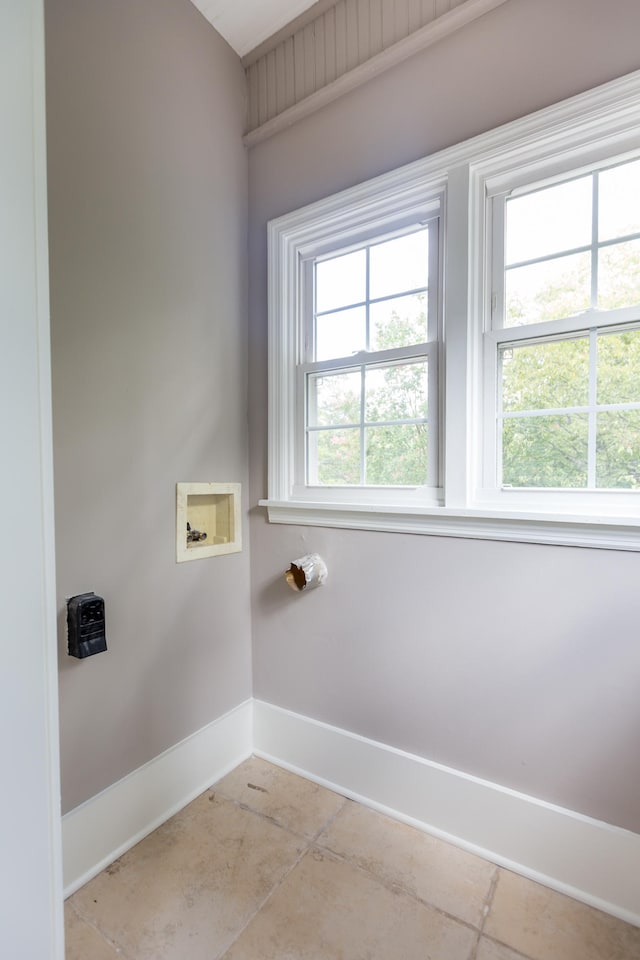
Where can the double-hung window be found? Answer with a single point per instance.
(355, 353)
(454, 347)
(562, 356)
(368, 380)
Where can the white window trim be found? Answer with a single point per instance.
(427, 214)
(587, 323)
(591, 127)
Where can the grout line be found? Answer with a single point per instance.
(274, 889)
(272, 820)
(278, 823)
(330, 820)
(308, 842)
(405, 891)
(501, 943)
(488, 903)
(395, 888)
(119, 950)
(486, 907)
(474, 950)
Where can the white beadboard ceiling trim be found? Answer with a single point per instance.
(245, 24)
(415, 42)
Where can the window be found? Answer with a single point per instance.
(563, 354)
(369, 377)
(455, 346)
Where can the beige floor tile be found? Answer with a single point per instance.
(290, 800)
(329, 910)
(187, 890)
(428, 868)
(82, 942)
(488, 950)
(546, 925)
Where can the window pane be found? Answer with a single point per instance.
(396, 392)
(545, 451)
(619, 275)
(399, 265)
(341, 281)
(334, 457)
(398, 323)
(549, 290)
(619, 201)
(619, 367)
(545, 375)
(341, 333)
(549, 221)
(397, 455)
(334, 399)
(618, 449)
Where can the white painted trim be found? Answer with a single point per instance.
(591, 861)
(31, 916)
(585, 129)
(584, 858)
(311, 14)
(99, 831)
(50, 626)
(603, 533)
(414, 43)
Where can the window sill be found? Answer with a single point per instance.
(609, 533)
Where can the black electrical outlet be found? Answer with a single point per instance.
(86, 625)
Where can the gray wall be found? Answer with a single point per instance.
(514, 662)
(148, 213)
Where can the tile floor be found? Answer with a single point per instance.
(268, 866)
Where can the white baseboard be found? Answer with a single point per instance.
(584, 858)
(102, 829)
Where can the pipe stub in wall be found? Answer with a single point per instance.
(307, 572)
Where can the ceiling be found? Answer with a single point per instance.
(246, 23)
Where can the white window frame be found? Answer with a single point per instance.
(587, 323)
(426, 214)
(578, 133)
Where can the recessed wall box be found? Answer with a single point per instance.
(86, 625)
(207, 520)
